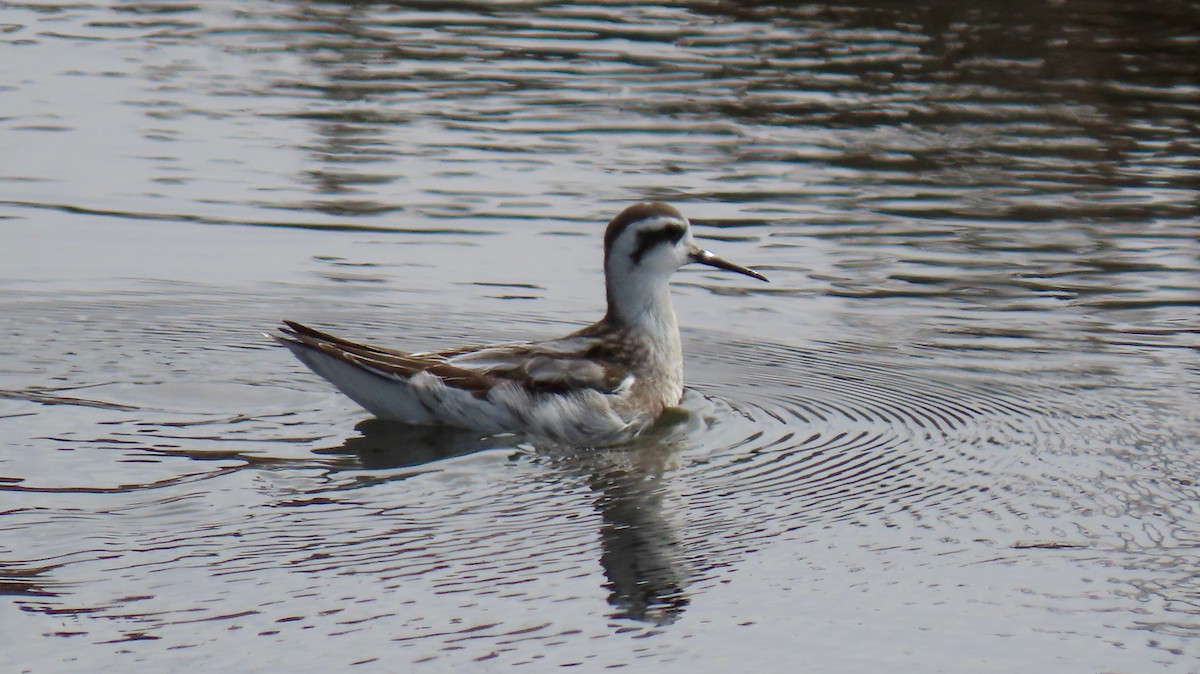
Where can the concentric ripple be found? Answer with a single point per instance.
(178, 508)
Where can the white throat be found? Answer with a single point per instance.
(639, 305)
(642, 300)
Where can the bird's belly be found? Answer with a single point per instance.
(580, 417)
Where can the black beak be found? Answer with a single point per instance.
(706, 257)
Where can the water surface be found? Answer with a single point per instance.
(956, 433)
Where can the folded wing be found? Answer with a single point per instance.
(558, 366)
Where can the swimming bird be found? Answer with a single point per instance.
(602, 384)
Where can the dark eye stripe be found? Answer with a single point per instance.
(648, 239)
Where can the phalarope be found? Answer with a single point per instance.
(603, 383)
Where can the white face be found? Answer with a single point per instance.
(653, 247)
(644, 245)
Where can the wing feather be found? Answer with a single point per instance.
(558, 366)
(388, 362)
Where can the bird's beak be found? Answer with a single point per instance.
(706, 257)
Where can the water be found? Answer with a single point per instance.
(956, 433)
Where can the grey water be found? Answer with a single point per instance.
(958, 431)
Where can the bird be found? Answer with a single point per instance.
(600, 385)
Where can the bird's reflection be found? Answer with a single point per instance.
(641, 549)
(387, 444)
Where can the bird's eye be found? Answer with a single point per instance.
(646, 239)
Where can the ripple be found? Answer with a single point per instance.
(970, 392)
(289, 511)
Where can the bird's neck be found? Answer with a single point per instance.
(644, 306)
(645, 315)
